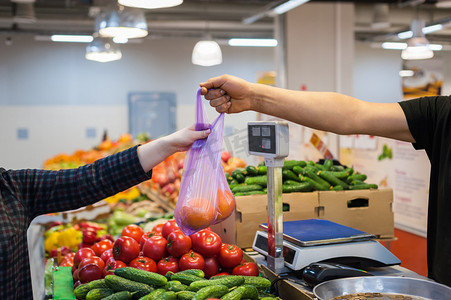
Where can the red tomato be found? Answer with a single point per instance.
(191, 260)
(144, 263)
(102, 246)
(221, 274)
(207, 243)
(112, 265)
(92, 260)
(66, 263)
(158, 228)
(246, 269)
(168, 264)
(125, 249)
(169, 227)
(211, 266)
(178, 243)
(146, 236)
(133, 231)
(106, 255)
(89, 273)
(81, 254)
(155, 248)
(230, 255)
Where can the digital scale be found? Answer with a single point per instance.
(297, 244)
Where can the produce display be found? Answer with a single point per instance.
(163, 259)
(298, 176)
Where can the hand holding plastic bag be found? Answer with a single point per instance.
(205, 197)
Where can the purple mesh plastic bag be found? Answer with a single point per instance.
(204, 184)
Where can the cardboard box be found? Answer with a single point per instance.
(366, 210)
(251, 211)
(374, 215)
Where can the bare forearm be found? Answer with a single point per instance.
(332, 112)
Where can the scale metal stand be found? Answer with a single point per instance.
(271, 140)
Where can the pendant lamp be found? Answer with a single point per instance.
(124, 22)
(206, 53)
(103, 49)
(418, 45)
(150, 4)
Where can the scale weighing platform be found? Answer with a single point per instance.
(316, 240)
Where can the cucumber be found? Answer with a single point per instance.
(363, 186)
(99, 293)
(235, 294)
(298, 170)
(228, 281)
(328, 163)
(122, 295)
(119, 284)
(289, 175)
(97, 284)
(186, 278)
(251, 171)
(262, 170)
(260, 283)
(357, 176)
(212, 291)
(185, 295)
(326, 175)
(251, 193)
(337, 168)
(324, 183)
(260, 180)
(247, 188)
(142, 276)
(316, 185)
(343, 175)
(196, 272)
(337, 188)
(168, 295)
(238, 175)
(176, 286)
(81, 291)
(289, 164)
(297, 188)
(291, 182)
(153, 295)
(250, 292)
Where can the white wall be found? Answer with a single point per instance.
(51, 90)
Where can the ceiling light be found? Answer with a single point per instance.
(150, 4)
(103, 49)
(206, 53)
(443, 3)
(124, 23)
(253, 42)
(72, 38)
(289, 5)
(394, 46)
(406, 73)
(418, 45)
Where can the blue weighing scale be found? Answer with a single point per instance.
(315, 240)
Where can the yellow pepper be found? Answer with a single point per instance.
(51, 242)
(70, 237)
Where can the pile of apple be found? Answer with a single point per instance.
(165, 248)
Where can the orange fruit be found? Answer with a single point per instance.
(198, 213)
(225, 203)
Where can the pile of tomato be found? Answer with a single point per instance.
(165, 248)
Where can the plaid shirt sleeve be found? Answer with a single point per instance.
(25, 194)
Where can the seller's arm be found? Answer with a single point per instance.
(325, 111)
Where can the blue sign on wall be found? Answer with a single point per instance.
(153, 113)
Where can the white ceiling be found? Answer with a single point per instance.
(220, 18)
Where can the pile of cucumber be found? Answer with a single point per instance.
(298, 176)
(131, 283)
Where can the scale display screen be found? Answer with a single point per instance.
(262, 138)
